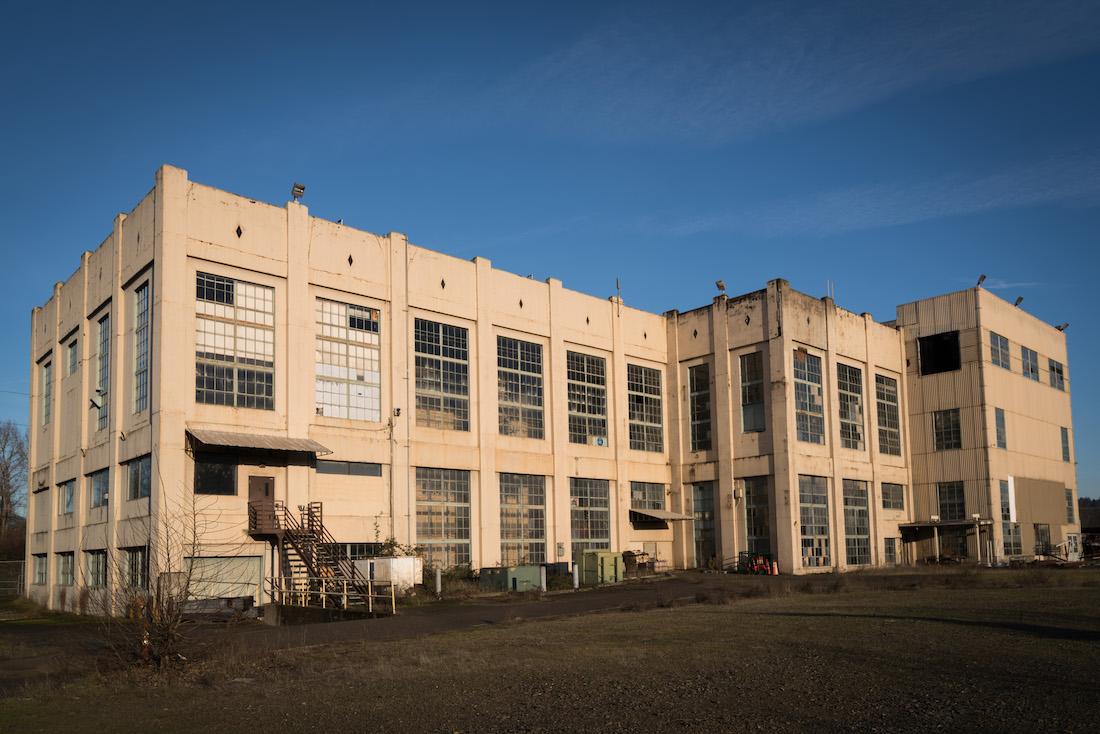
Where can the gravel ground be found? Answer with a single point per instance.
(940, 658)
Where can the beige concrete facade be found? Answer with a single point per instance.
(778, 322)
(1030, 458)
(287, 267)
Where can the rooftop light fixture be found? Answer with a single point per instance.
(297, 190)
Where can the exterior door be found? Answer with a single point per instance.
(261, 489)
(261, 504)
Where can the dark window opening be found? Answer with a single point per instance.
(215, 476)
(352, 468)
(939, 353)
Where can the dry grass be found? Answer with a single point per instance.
(887, 650)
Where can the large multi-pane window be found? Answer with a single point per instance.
(65, 569)
(643, 394)
(442, 375)
(141, 348)
(1071, 515)
(65, 494)
(522, 519)
(589, 514)
(647, 496)
(1065, 444)
(752, 392)
(586, 378)
(1002, 431)
(946, 429)
(893, 496)
(139, 478)
(813, 500)
(135, 565)
(95, 561)
(1042, 539)
(757, 515)
(850, 393)
(519, 388)
(952, 501)
(998, 347)
(702, 509)
(348, 361)
(890, 551)
(234, 343)
(40, 568)
(98, 486)
(699, 406)
(47, 392)
(1012, 540)
(1057, 374)
(1030, 361)
(443, 516)
(889, 422)
(809, 406)
(857, 523)
(103, 369)
(73, 357)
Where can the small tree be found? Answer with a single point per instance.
(13, 489)
(146, 610)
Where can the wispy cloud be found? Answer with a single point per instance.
(1000, 284)
(716, 77)
(1064, 177)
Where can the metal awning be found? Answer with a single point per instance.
(256, 441)
(945, 523)
(661, 514)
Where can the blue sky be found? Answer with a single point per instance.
(756, 140)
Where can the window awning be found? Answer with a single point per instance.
(661, 514)
(256, 441)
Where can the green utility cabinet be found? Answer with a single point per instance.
(510, 578)
(601, 567)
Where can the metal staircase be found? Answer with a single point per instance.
(314, 569)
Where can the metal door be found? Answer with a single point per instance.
(261, 489)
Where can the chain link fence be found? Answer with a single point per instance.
(11, 578)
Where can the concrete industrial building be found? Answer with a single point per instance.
(493, 419)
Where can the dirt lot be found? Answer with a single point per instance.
(1002, 650)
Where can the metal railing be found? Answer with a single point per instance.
(379, 597)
